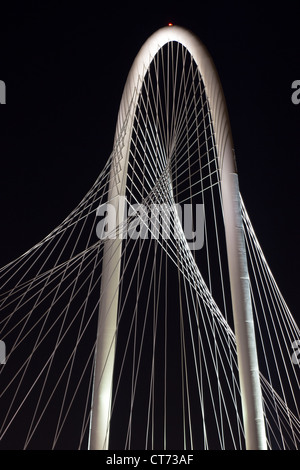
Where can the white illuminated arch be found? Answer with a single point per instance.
(239, 279)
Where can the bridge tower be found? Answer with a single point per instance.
(238, 271)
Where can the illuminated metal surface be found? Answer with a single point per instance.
(239, 279)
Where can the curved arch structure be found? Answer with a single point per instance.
(238, 270)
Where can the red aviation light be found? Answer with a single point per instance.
(170, 24)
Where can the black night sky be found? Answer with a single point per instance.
(65, 66)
